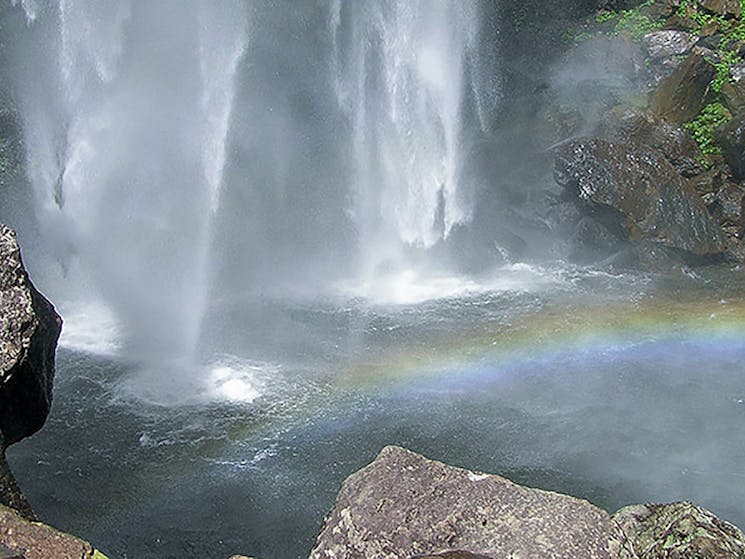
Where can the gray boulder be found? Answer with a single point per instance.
(635, 188)
(29, 329)
(726, 8)
(33, 540)
(666, 50)
(404, 505)
(679, 531)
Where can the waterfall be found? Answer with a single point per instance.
(182, 152)
(403, 72)
(126, 145)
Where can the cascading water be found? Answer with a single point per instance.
(142, 130)
(214, 173)
(403, 72)
(126, 144)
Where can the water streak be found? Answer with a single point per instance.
(404, 71)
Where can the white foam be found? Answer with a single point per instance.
(410, 287)
(90, 327)
(231, 383)
(176, 383)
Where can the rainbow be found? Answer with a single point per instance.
(559, 330)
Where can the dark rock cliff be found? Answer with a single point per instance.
(29, 329)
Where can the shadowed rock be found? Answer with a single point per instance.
(732, 139)
(29, 328)
(727, 8)
(636, 188)
(404, 505)
(679, 531)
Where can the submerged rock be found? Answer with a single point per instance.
(404, 505)
(679, 531)
(636, 188)
(33, 540)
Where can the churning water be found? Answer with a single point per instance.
(254, 218)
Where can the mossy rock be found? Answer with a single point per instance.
(679, 531)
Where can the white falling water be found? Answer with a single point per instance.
(403, 71)
(181, 147)
(126, 152)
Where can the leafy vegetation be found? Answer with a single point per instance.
(703, 127)
(633, 23)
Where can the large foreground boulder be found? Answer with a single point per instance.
(33, 540)
(634, 188)
(29, 329)
(404, 505)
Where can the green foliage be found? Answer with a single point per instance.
(702, 128)
(604, 16)
(691, 9)
(727, 58)
(636, 24)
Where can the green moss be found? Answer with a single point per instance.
(702, 128)
(98, 555)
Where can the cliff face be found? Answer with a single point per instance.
(679, 112)
(29, 329)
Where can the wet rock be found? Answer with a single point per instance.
(731, 138)
(725, 205)
(679, 531)
(29, 328)
(592, 241)
(666, 50)
(629, 125)
(726, 8)
(682, 95)
(650, 256)
(454, 554)
(733, 92)
(638, 191)
(33, 540)
(10, 494)
(404, 505)
(709, 181)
